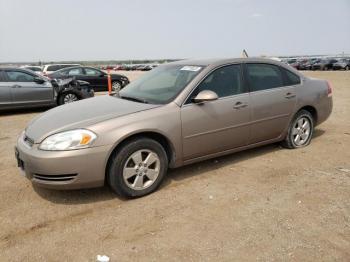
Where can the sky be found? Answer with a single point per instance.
(64, 30)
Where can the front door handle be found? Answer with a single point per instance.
(289, 95)
(240, 105)
(16, 86)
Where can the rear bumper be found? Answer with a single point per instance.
(75, 169)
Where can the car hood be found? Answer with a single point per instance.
(81, 114)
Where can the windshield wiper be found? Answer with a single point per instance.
(135, 99)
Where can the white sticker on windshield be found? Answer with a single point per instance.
(191, 68)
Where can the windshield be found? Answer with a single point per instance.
(161, 85)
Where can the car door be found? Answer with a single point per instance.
(5, 92)
(272, 101)
(218, 125)
(25, 90)
(96, 78)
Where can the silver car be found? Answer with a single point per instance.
(174, 115)
(22, 88)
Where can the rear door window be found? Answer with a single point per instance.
(92, 72)
(290, 78)
(53, 68)
(75, 72)
(263, 76)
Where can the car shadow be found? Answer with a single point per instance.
(77, 197)
(21, 111)
(86, 196)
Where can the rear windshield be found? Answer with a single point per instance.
(34, 68)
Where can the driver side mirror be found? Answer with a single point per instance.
(205, 96)
(39, 80)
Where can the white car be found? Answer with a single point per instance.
(36, 69)
(48, 69)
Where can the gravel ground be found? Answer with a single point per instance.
(268, 204)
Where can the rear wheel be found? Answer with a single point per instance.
(300, 130)
(137, 168)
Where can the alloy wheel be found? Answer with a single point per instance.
(69, 98)
(141, 169)
(301, 131)
(116, 86)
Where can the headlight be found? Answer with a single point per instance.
(68, 140)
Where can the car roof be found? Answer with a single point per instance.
(60, 64)
(219, 61)
(77, 66)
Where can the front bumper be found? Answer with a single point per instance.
(125, 82)
(86, 93)
(75, 169)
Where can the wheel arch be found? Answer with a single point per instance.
(312, 110)
(67, 91)
(157, 136)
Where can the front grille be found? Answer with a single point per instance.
(55, 178)
(28, 140)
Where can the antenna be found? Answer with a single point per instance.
(244, 54)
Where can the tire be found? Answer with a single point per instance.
(130, 177)
(291, 141)
(116, 86)
(67, 97)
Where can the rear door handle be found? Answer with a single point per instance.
(240, 105)
(16, 86)
(289, 95)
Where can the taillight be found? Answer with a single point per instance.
(329, 89)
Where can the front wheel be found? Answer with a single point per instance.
(300, 130)
(67, 98)
(116, 86)
(137, 168)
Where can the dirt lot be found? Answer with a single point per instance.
(266, 204)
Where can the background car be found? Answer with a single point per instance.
(342, 64)
(296, 64)
(48, 69)
(36, 69)
(324, 64)
(97, 78)
(308, 64)
(20, 88)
